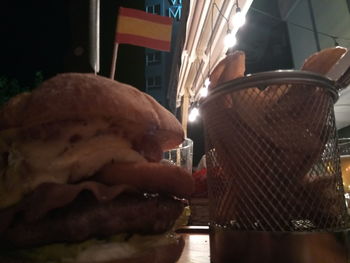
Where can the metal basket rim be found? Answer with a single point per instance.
(273, 77)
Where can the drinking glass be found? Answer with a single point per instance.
(182, 155)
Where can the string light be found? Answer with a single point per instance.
(207, 82)
(194, 113)
(230, 39)
(204, 90)
(239, 18)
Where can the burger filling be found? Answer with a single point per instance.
(79, 187)
(80, 172)
(69, 152)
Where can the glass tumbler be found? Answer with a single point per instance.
(182, 155)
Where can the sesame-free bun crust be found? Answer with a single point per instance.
(75, 96)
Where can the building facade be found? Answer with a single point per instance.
(158, 63)
(278, 34)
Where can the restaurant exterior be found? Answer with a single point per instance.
(307, 29)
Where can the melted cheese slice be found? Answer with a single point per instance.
(31, 163)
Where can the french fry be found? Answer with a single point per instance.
(321, 62)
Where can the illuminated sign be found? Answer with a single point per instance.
(175, 9)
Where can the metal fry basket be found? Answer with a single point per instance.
(272, 153)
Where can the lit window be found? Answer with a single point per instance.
(153, 58)
(153, 9)
(153, 83)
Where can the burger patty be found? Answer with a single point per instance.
(86, 218)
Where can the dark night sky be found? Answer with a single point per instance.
(34, 36)
(41, 35)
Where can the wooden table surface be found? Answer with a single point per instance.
(196, 247)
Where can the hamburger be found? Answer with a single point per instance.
(81, 177)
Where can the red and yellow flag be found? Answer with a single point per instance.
(140, 28)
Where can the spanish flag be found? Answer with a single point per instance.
(140, 28)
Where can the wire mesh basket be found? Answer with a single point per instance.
(272, 153)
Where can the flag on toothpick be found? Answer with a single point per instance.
(140, 28)
(143, 29)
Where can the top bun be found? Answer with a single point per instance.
(75, 96)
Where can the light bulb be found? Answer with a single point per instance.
(230, 40)
(207, 82)
(238, 19)
(204, 91)
(193, 114)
